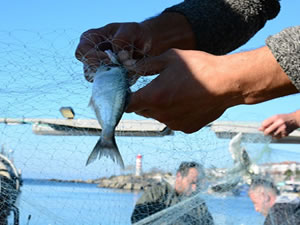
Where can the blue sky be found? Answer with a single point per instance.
(39, 74)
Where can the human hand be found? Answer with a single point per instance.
(195, 88)
(189, 93)
(134, 41)
(129, 40)
(281, 125)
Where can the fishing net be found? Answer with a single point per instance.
(39, 74)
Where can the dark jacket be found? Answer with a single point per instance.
(284, 213)
(162, 196)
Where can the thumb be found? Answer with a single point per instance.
(137, 102)
(149, 66)
(141, 99)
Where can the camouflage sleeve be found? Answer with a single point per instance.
(204, 215)
(221, 26)
(149, 203)
(285, 47)
(197, 216)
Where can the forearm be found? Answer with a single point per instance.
(221, 26)
(255, 76)
(170, 30)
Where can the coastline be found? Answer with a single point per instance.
(123, 182)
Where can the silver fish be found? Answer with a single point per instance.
(109, 100)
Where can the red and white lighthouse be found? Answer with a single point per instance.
(138, 166)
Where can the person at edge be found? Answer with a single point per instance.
(278, 210)
(163, 195)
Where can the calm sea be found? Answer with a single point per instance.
(48, 203)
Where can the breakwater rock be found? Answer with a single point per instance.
(127, 182)
(74, 181)
(132, 182)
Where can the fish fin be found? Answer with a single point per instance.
(106, 148)
(93, 156)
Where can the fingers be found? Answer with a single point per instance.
(149, 66)
(134, 38)
(93, 43)
(151, 94)
(188, 125)
(146, 98)
(274, 126)
(281, 131)
(91, 55)
(120, 42)
(125, 58)
(271, 130)
(131, 38)
(176, 121)
(266, 123)
(138, 101)
(269, 125)
(89, 72)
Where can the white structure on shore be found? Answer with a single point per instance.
(278, 170)
(138, 167)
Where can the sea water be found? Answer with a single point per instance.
(49, 203)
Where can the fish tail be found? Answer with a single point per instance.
(93, 156)
(106, 148)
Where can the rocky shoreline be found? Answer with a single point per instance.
(126, 182)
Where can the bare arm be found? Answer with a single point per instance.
(258, 76)
(195, 88)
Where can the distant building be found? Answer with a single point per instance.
(278, 170)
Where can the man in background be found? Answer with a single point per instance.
(161, 196)
(278, 210)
